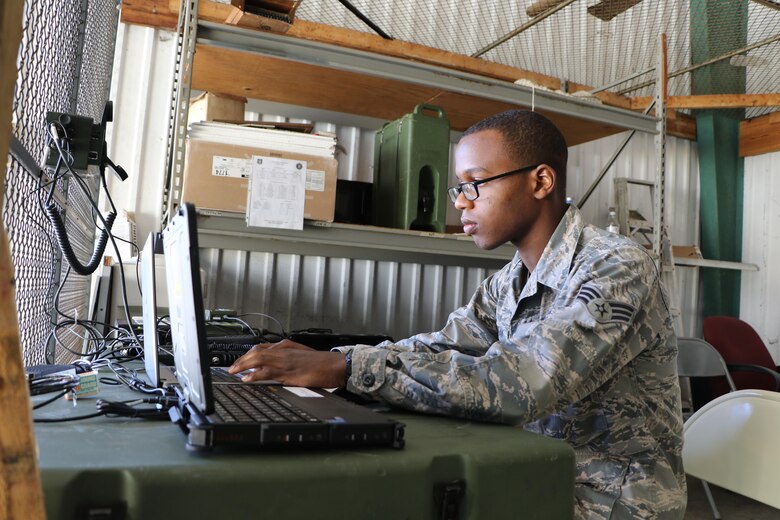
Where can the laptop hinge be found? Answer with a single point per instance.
(447, 496)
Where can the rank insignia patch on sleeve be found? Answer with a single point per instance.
(605, 311)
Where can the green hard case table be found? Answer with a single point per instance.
(118, 468)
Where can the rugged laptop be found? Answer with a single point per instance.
(238, 414)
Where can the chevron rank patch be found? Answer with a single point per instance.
(605, 311)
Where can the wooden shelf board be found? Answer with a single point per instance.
(760, 135)
(283, 81)
(354, 93)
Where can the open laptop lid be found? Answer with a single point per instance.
(185, 303)
(159, 375)
(149, 306)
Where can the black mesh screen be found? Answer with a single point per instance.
(64, 65)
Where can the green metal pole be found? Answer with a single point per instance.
(717, 27)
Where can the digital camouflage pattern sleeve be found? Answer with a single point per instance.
(581, 349)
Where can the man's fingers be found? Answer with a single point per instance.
(256, 374)
(245, 362)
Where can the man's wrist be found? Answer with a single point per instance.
(348, 368)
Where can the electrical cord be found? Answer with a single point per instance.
(128, 409)
(268, 316)
(65, 419)
(130, 377)
(58, 224)
(57, 135)
(53, 383)
(242, 322)
(61, 235)
(49, 401)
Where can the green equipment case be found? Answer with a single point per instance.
(122, 468)
(411, 167)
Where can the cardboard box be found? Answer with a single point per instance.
(211, 106)
(213, 190)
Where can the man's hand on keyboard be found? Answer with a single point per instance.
(292, 364)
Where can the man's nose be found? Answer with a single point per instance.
(462, 202)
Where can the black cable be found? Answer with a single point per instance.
(65, 419)
(52, 383)
(65, 159)
(92, 354)
(67, 249)
(57, 294)
(53, 183)
(61, 233)
(124, 409)
(354, 10)
(48, 401)
(110, 235)
(105, 189)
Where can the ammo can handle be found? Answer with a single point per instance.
(433, 108)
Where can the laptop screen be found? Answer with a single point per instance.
(149, 307)
(185, 303)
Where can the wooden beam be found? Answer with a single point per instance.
(20, 486)
(760, 135)
(713, 101)
(664, 74)
(773, 4)
(680, 125)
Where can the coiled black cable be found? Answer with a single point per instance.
(67, 250)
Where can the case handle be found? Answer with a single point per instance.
(432, 108)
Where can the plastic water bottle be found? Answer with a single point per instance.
(612, 221)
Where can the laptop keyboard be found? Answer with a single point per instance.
(219, 375)
(256, 404)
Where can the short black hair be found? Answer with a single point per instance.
(531, 139)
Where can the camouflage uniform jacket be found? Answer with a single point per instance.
(580, 349)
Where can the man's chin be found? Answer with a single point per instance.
(484, 245)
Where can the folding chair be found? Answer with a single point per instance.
(697, 358)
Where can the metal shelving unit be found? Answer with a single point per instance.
(354, 241)
(351, 241)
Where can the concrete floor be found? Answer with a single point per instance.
(731, 505)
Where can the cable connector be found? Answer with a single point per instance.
(218, 314)
(54, 132)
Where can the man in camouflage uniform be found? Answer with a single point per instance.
(571, 339)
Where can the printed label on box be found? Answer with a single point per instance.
(231, 167)
(276, 193)
(315, 180)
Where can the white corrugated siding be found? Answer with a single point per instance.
(682, 198)
(761, 246)
(398, 299)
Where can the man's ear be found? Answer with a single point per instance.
(545, 181)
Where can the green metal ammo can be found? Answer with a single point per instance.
(411, 167)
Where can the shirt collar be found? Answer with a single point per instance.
(553, 267)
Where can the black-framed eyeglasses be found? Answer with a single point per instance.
(469, 189)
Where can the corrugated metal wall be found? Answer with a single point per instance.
(682, 198)
(349, 295)
(761, 246)
(346, 295)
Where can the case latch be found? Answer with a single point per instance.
(448, 496)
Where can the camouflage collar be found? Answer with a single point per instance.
(555, 262)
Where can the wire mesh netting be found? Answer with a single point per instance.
(594, 42)
(64, 65)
